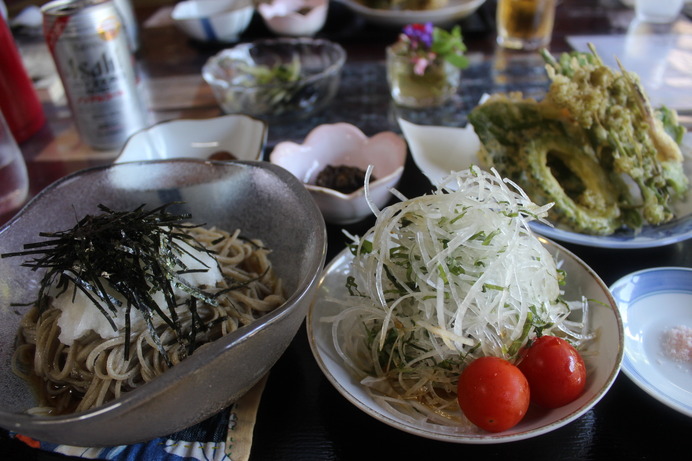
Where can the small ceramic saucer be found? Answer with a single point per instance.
(652, 303)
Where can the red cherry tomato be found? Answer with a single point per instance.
(493, 394)
(555, 371)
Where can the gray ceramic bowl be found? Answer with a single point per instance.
(262, 199)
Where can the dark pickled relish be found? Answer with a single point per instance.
(342, 178)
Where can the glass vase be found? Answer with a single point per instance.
(437, 84)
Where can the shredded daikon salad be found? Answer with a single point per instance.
(442, 279)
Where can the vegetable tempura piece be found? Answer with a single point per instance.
(628, 136)
(535, 146)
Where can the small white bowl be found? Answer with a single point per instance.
(213, 20)
(342, 144)
(294, 17)
(241, 136)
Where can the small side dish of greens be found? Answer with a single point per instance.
(276, 79)
(278, 73)
(278, 89)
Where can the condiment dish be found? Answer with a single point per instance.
(343, 144)
(294, 17)
(228, 137)
(261, 199)
(213, 20)
(653, 303)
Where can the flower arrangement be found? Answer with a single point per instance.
(423, 43)
(423, 65)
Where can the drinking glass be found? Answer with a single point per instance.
(14, 180)
(525, 24)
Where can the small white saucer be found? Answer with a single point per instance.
(651, 302)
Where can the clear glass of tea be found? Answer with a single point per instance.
(525, 24)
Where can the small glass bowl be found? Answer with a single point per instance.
(236, 77)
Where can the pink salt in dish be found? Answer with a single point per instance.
(677, 343)
(656, 309)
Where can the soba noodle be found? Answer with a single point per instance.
(94, 370)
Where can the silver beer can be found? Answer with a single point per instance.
(127, 16)
(96, 65)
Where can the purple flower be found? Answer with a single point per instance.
(419, 34)
(423, 44)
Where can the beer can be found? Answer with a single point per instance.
(127, 16)
(96, 65)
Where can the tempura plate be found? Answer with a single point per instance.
(602, 357)
(438, 150)
(452, 12)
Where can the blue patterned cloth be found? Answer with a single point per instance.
(226, 436)
(205, 441)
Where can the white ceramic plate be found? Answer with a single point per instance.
(438, 150)
(652, 301)
(602, 358)
(455, 10)
(240, 135)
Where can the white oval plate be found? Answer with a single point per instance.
(240, 135)
(455, 10)
(651, 301)
(437, 150)
(602, 357)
